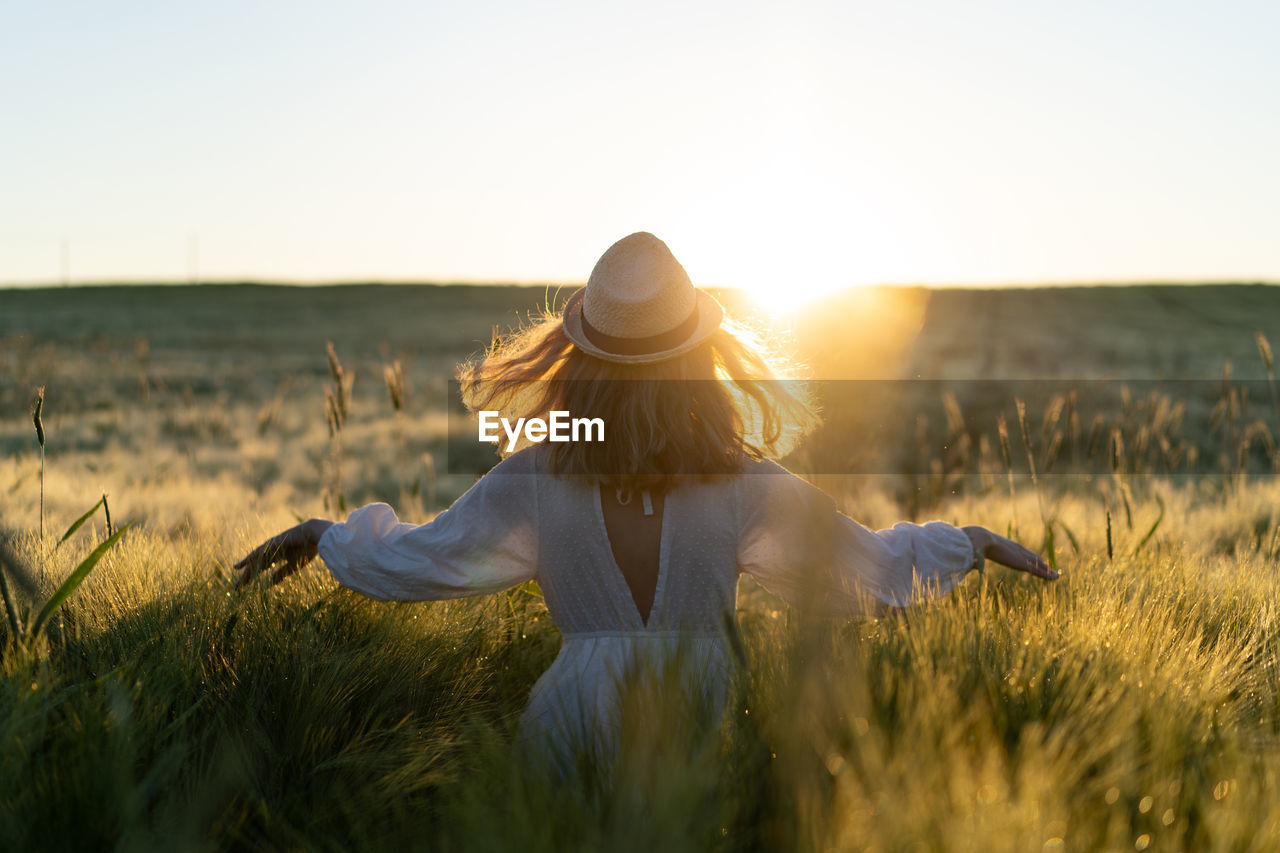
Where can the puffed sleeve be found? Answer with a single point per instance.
(486, 542)
(796, 543)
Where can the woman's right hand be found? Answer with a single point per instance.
(1006, 552)
(290, 551)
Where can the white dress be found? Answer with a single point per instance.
(519, 523)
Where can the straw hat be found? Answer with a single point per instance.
(639, 305)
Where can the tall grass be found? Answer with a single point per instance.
(23, 631)
(1136, 697)
(1133, 705)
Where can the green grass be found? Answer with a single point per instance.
(1134, 704)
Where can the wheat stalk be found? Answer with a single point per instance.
(339, 379)
(1006, 454)
(1021, 407)
(36, 409)
(336, 401)
(1268, 361)
(393, 375)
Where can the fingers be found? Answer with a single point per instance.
(1038, 567)
(284, 571)
(247, 566)
(1041, 569)
(262, 557)
(265, 557)
(255, 556)
(258, 560)
(250, 569)
(254, 568)
(1023, 559)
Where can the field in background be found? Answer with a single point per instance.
(1132, 705)
(191, 405)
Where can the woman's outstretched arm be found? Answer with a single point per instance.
(1006, 552)
(796, 544)
(486, 542)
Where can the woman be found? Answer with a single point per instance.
(637, 541)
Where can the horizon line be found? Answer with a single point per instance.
(375, 282)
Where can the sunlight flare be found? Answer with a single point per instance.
(787, 234)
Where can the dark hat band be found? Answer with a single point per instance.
(642, 346)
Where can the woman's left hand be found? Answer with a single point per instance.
(288, 551)
(1003, 550)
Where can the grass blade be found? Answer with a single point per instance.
(73, 581)
(1071, 537)
(182, 718)
(79, 522)
(314, 608)
(19, 573)
(15, 627)
(1110, 551)
(1152, 531)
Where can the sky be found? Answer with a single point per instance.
(787, 147)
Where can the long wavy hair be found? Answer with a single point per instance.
(703, 413)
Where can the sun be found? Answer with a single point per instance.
(781, 287)
(779, 268)
(787, 236)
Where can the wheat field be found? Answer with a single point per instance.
(1132, 705)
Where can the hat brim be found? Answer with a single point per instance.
(710, 316)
